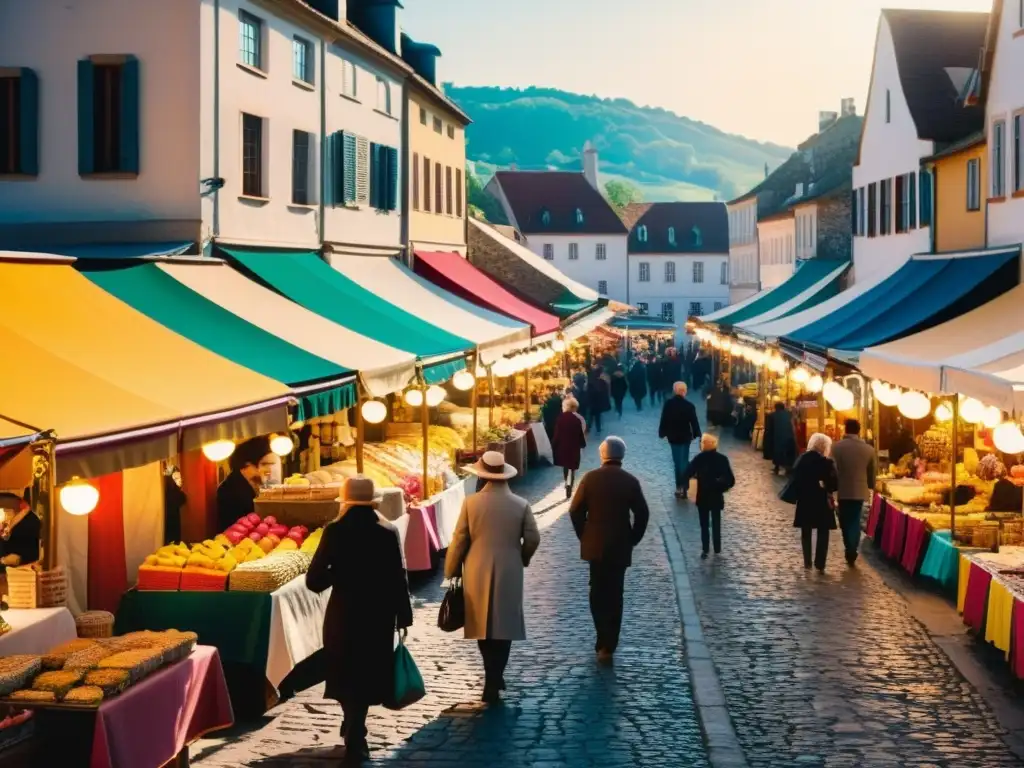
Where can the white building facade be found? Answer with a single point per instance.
(744, 272)
(776, 237)
(596, 261)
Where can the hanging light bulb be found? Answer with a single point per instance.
(972, 411)
(815, 384)
(218, 450)
(463, 381)
(726, 344)
(374, 411)
(1008, 437)
(503, 368)
(800, 375)
(992, 417)
(888, 395)
(838, 396)
(414, 398)
(282, 445)
(914, 405)
(435, 396)
(558, 345)
(79, 497)
(943, 413)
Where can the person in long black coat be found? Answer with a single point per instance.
(654, 379)
(780, 438)
(813, 482)
(360, 558)
(671, 372)
(714, 478)
(599, 399)
(638, 383)
(619, 388)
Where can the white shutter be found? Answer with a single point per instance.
(362, 170)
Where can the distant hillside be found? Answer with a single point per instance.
(668, 157)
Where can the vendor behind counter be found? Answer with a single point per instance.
(20, 530)
(251, 465)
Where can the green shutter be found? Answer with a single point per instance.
(130, 116)
(375, 186)
(326, 171)
(925, 179)
(339, 168)
(391, 203)
(349, 166)
(28, 116)
(912, 181)
(86, 125)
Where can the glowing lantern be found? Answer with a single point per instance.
(374, 411)
(943, 413)
(414, 398)
(992, 417)
(914, 405)
(800, 375)
(971, 410)
(78, 497)
(558, 345)
(1008, 437)
(463, 381)
(815, 384)
(218, 450)
(435, 396)
(282, 445)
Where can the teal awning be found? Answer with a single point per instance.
(153, 292)
(569, 304)
(439, 373)
(642, 323)
(312, 283)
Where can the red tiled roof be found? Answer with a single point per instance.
(560, 193)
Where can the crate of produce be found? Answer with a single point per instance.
(156, 578)
(195, 579)
(95, 624)
(22, 587)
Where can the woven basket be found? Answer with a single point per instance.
(53, 588)
(22, 587)
(95, 624)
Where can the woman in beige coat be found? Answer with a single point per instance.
(493, 542)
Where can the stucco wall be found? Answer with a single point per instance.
(683, 290)
(957, 228)
(587, 269)
(777, 249)
(744, 273)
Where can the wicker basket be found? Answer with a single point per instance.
(95, 624)
(22, 587)
(53, 588)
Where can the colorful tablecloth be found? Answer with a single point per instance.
(895, 527)
(149, 724)
(874, 513)
(978, 581)
(36, 630)
(421, 537)
(917, 533)
(941, 560)
(963, 573)
(1017, 637)
(999, 617)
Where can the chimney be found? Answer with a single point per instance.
(328, 8)
(422, 57)
(848, 108)
(825, 119)
(590, 165)
(378, 20)
(800, 189)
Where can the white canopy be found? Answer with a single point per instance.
(381, 368)
(587, 323)
(494, 334)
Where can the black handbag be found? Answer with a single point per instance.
(789, 493)
(452, 616)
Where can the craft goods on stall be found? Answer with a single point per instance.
(271, 573)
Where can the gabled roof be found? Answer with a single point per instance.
(710, 219)
(979, 92)
(934, 50)
(560, 194)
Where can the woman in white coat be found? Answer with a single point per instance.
(494, 540)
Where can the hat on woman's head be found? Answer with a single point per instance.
(613, 449)
(359, 491)
(492, 466)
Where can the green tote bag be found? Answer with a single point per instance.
(409, 686)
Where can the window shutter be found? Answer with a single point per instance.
(338, 172)
(853, 212)
(130, 116)
(362, 170)
(375, 186)
(912, 181)
(926, 198)
(327, 172)
(391, 204)
(458, 192)
(86, 125)
(348, 165)
(28, 111)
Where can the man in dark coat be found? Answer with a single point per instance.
(680, 427)
(599, 399)
(360, 558)
(671, 371)
(780, 438)
(654, 379)
(638, 383)
(619, 387)
(714, 478)
(600, 513)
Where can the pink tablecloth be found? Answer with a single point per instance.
(1017, 643)
(873, 514)
(421, 537)
(978, 581)
(895, 529)
(916, 535)
(148, 725)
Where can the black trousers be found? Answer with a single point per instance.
(618, 406)
(569, 476)
(820, 549)
(495, 654)
(710, 518)
(353, 725)
(639, 402)
(595, 420)
(607, 583)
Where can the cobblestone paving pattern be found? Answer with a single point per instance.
(823, 669)
(560, 709)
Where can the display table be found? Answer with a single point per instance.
(429, 527)
(543, 443)
(268, 633)
(36, 630)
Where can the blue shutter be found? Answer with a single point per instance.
(86, 126)
(926, 198)
(375, 185)
(391, 203)
(130, 116)
(28, 117)
(912, 181)
(327, 170)
(349, 167)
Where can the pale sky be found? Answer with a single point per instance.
(761, 69)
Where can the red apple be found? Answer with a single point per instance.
(253, 518)
(244, 523)
(279, 530)
(234, 536)
(304, 529)
(270, 520)
(295, 536)
(255, 536)
(262, 529)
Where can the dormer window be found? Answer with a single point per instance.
(641, 233)
(545, 217)
(671, 235)
(698, 239)
(579, 216)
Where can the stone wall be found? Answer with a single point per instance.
(488, 253)
(835, 235)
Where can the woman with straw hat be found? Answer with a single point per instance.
(494, 540)
(360, 558)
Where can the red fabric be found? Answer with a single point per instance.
(873, 514)
(150, 723)
(916, 534)
(108, 573)
(452, 272)
(1017, 641)
(569, 440)
(978, 580)
(199, 482)
(895, 531)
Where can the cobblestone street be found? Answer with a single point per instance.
(816, 670)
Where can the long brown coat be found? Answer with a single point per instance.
(493, 542)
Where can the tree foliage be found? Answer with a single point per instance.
(481, 203)
(621, 193)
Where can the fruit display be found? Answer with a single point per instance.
(271, 573)
(936, 444)
(991, 468)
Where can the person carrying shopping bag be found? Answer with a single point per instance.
(714, 478)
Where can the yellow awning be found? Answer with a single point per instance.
(89, 365)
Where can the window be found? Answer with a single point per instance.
(302, 60)
(383, 173)
(301, 142)
(601, 252)
(672, 236)
(1018, 161)
(19, 116)
(698, 238)
(670, 271)
(641, 233)
(574, 251)
(108, 115)
(250, 30)
(549, 251)
(448, 190)
(426, 184)
(458, 192)
(252, 155)
(602, 287)
(885, 207)
(698, 271)
(348, 79)
(438, 189)
(423, 116)
(641, 307)
(872, 203)
(998, 159)
(415, 184)
(645, 272)
(723, 276)
(718, 305)
(888, 106)
(974, 184)
(438, 125)
(383, 96)
(668, 312)
(451, 131)
(695, 309)
(579, 216)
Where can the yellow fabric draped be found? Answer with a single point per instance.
(1000, 617)
(961, 586)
